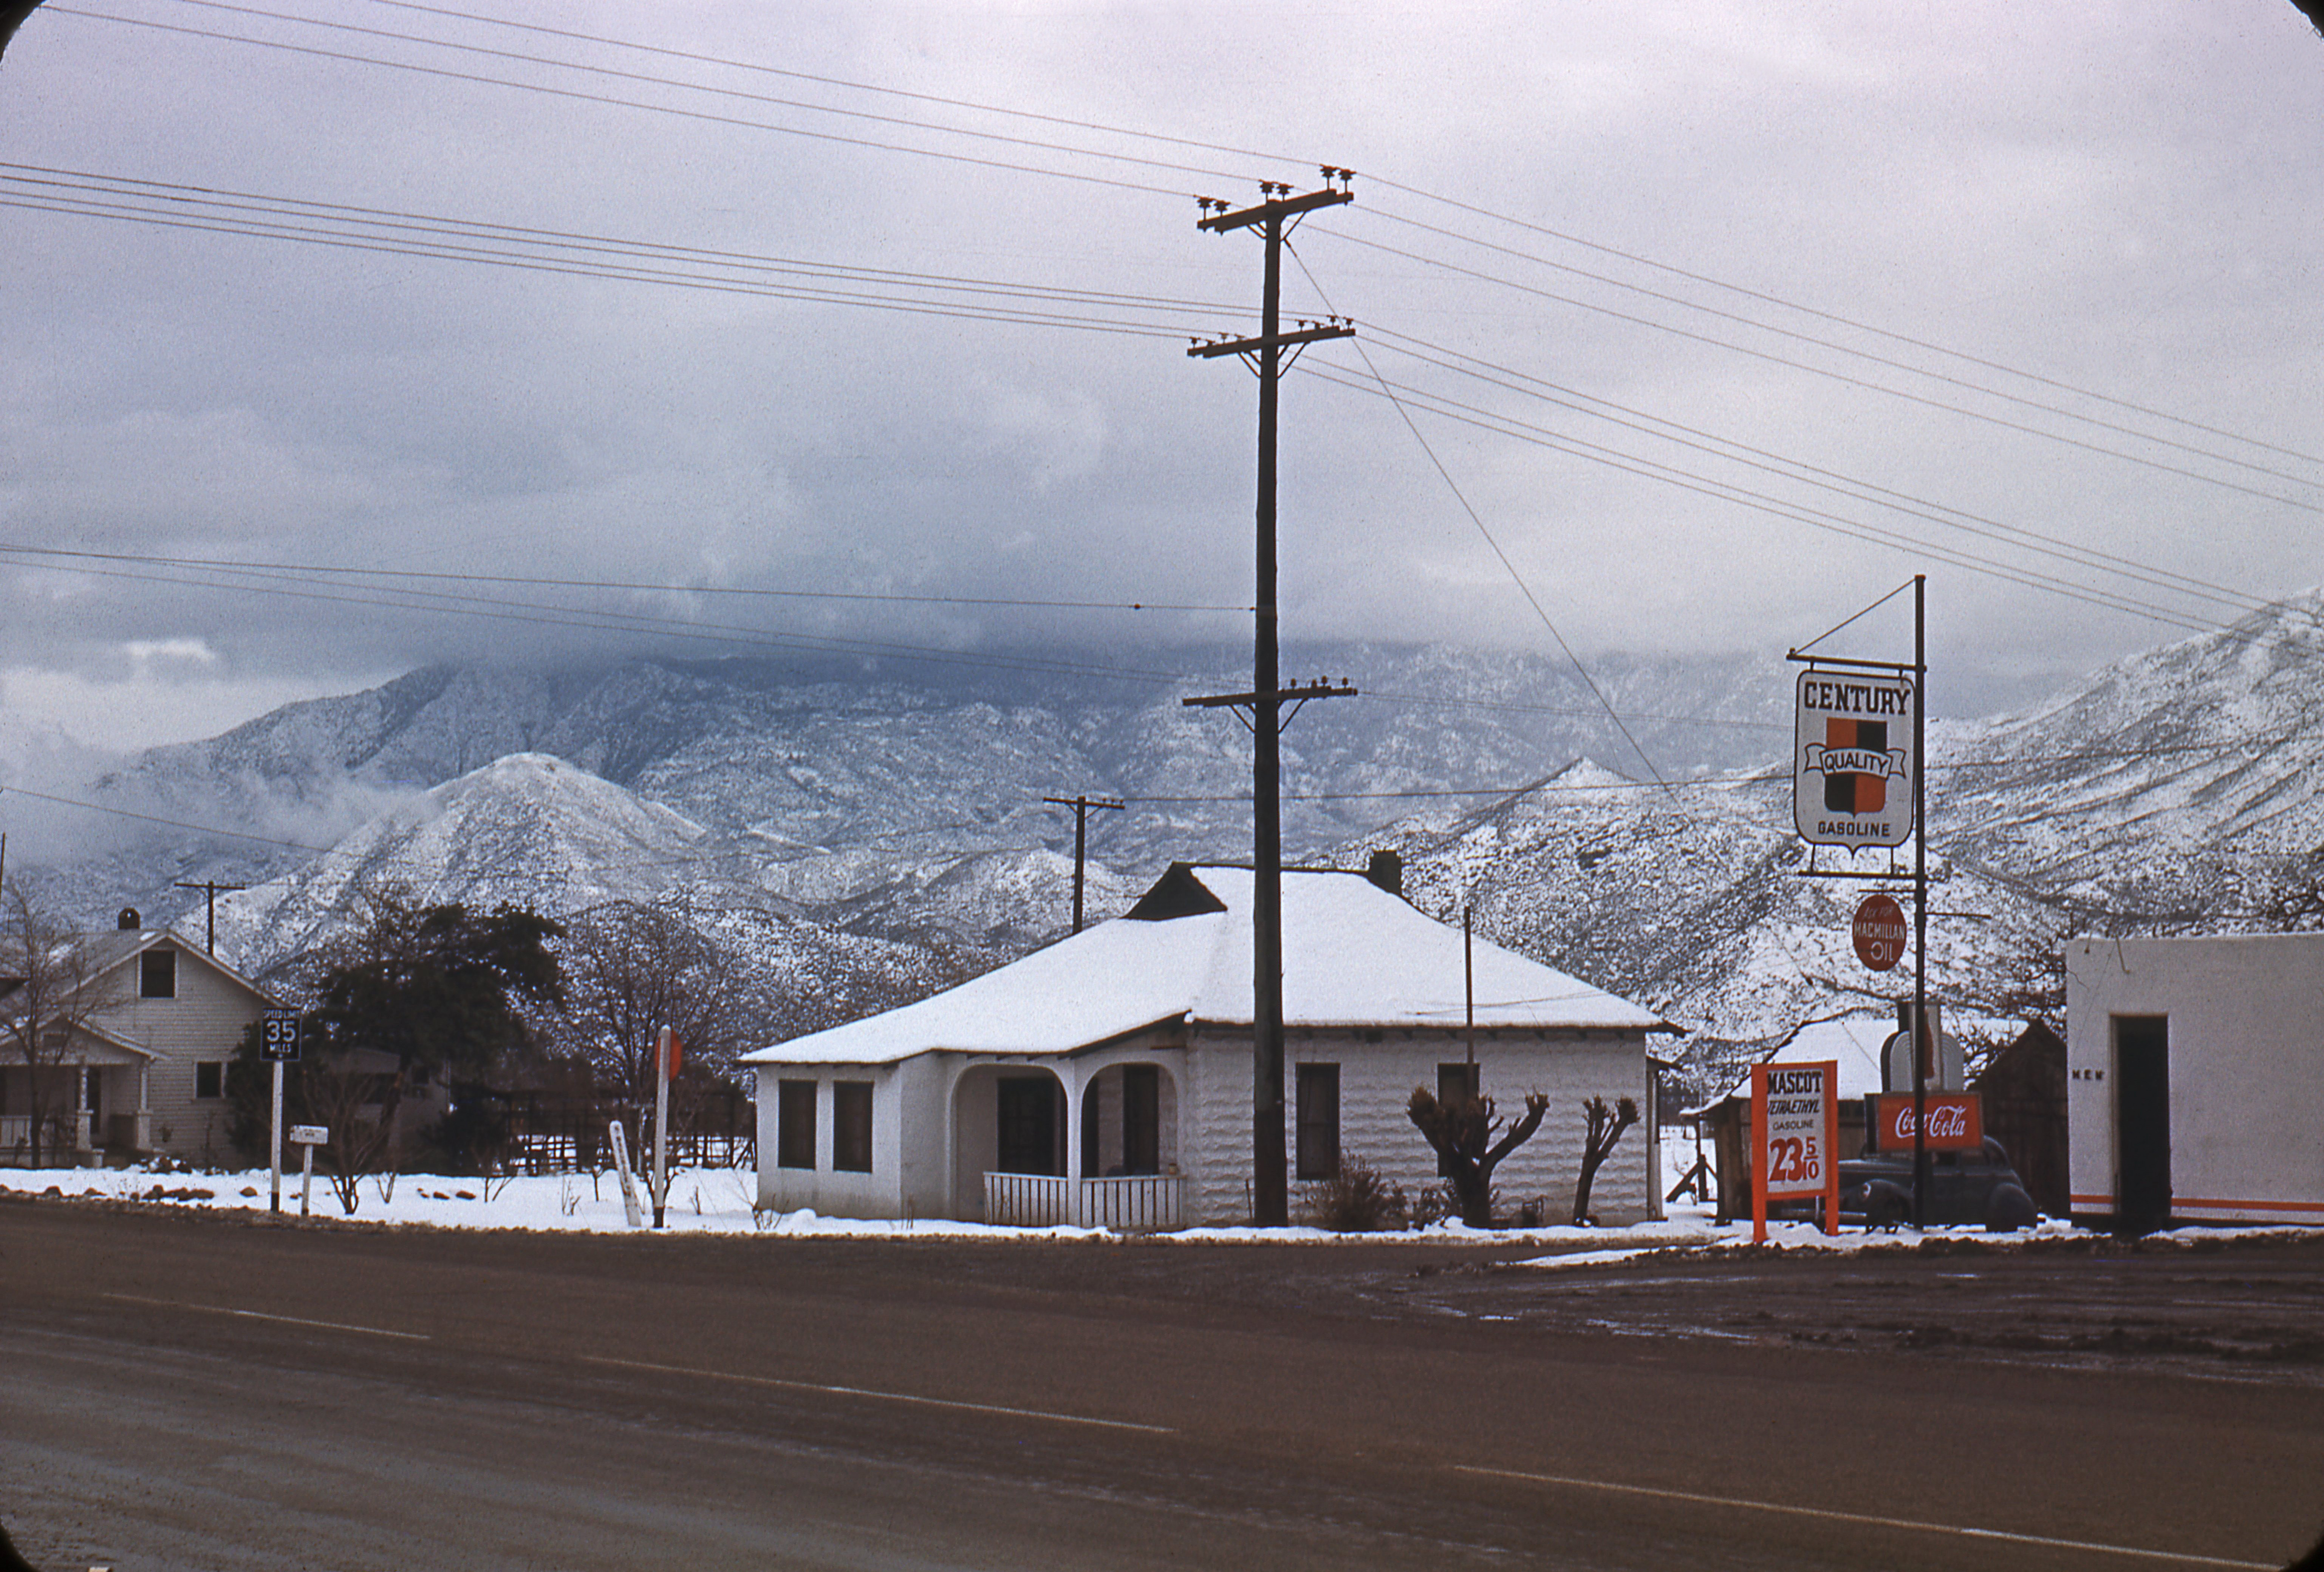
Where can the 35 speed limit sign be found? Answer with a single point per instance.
(277, 1037)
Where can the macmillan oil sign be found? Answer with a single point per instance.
(1852, 762)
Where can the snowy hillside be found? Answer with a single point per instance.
(869, 831)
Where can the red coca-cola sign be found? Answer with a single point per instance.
(1956, 1121)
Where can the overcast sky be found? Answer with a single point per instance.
(2035, 288)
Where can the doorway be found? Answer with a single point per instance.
(2141, 1122)
(1031, 1118)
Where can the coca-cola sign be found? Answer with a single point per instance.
(1956, 1121)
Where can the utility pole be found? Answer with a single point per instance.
(213, 888)
(1081, 805)
(1276, 213)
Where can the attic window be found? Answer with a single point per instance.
(156, 974)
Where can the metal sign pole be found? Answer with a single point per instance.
(1924, 1046)
(275, 1203)
(662, 1045)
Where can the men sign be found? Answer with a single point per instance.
(1795, 1137)
(1852, 759)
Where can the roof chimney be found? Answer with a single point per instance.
(129, 920)
(1387, 870)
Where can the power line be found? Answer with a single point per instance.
(1839, 320)
(224, 564)
(1824, 479)
(1727, 492)
(576, 95)
(1860, 382)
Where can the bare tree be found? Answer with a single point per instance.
(48, 993)
(1606, 1128)
(354, 1105)
(1461, 1132)
(630, 971)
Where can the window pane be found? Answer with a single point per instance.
(209, 1078)
(850, 1126)
(156, 974)
(794, 1124)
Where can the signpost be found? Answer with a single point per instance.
(621, 1165)
(1857, 782)
(666, 1053)
(309, 1136)
(278, 1044)
(1795, 1139)
(1880, 931)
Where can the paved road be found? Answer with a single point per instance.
(191, 1392)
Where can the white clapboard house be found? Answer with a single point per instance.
(1107, 1080)
(135, 1063)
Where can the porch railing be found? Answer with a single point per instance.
(1145, 1203)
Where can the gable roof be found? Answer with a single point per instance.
(105, 953)
(1353, 955)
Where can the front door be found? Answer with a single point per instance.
(1141, 1119)
(2141, 1122)
(1030, 1118)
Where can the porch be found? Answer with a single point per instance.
(1143, 1203)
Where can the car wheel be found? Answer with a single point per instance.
(1885, 1206)
(2009, 1208)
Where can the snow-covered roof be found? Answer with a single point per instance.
(1353, 955)
(1853, 1043)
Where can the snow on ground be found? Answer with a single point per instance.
(718, 1200)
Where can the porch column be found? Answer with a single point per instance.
(143, 1137)
(1075, 1093)
(80, 1108)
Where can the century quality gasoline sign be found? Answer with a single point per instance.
(1852, 759)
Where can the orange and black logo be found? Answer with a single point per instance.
(1849, 791)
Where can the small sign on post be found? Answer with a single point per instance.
(622, 1166)
(309, 1136)
(1795, 1139)
(1880, 931)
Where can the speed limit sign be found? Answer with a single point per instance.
(277, 1037)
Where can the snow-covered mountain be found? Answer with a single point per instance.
(878, 830)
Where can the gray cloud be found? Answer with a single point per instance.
(2120, 198)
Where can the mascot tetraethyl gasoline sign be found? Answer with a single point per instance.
(1852, 759)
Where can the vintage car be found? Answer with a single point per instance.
(1964, 1187)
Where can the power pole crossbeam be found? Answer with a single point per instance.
(1272, 218)
(1081, 805)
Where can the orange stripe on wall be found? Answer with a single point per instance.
(2248, 1205)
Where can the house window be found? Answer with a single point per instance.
(851, 1126)
(794, 1124)
(1318, 1119)
(209, 1078)
(156, 974)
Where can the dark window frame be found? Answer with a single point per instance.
(213, 1072)
(794, 1113)
(851, 1126)
(1316, 1122)
(157, 975)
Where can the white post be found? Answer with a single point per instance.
(274, 1202)
(662, 1044)
(306, 1175)
(621, 1165)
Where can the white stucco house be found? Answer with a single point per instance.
(140, 1067)
(2191, 1068)
(1107, 1079)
